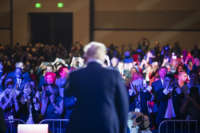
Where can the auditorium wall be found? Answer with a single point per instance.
(79, 8)
(127, 21)
(4, 22)
(116, 21)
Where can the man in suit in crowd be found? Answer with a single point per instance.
(102, 99)
(167, 97)
(157, 87)
(159, 84)
(20, 78)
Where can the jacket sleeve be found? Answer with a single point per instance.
(161, 96)
(69, 90)
(122, 105)
(2, 122)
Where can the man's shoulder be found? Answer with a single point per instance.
(156, 82)
(111, 70)
(11, 75)
(104, 70)
(78, 70)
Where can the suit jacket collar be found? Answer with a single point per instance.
(95, 60)
(160, 82)
(94, 63)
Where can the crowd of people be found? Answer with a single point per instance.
(163, 82)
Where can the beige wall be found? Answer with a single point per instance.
(143, 14)
(4, 37)
(186, 39)
(80, 9)
(135, 14)
(4, 21)
(129, 5)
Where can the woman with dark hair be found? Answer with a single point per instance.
(180, 68)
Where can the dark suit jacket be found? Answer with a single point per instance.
(2, 122)
(163, 103)
(24, 78)
(157, 85)
(144, 97)
(102, 100)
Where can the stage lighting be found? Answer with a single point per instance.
(38, 5)
(60, 5)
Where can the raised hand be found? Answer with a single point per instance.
(52, 99)
(2, 78)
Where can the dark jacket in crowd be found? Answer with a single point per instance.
(144, 98)
(163, 103)
(2, 122)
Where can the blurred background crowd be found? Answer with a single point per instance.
(163, 82)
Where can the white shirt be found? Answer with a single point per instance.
(162, 81)
(19, 81)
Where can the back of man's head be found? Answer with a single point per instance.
(95, 50)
